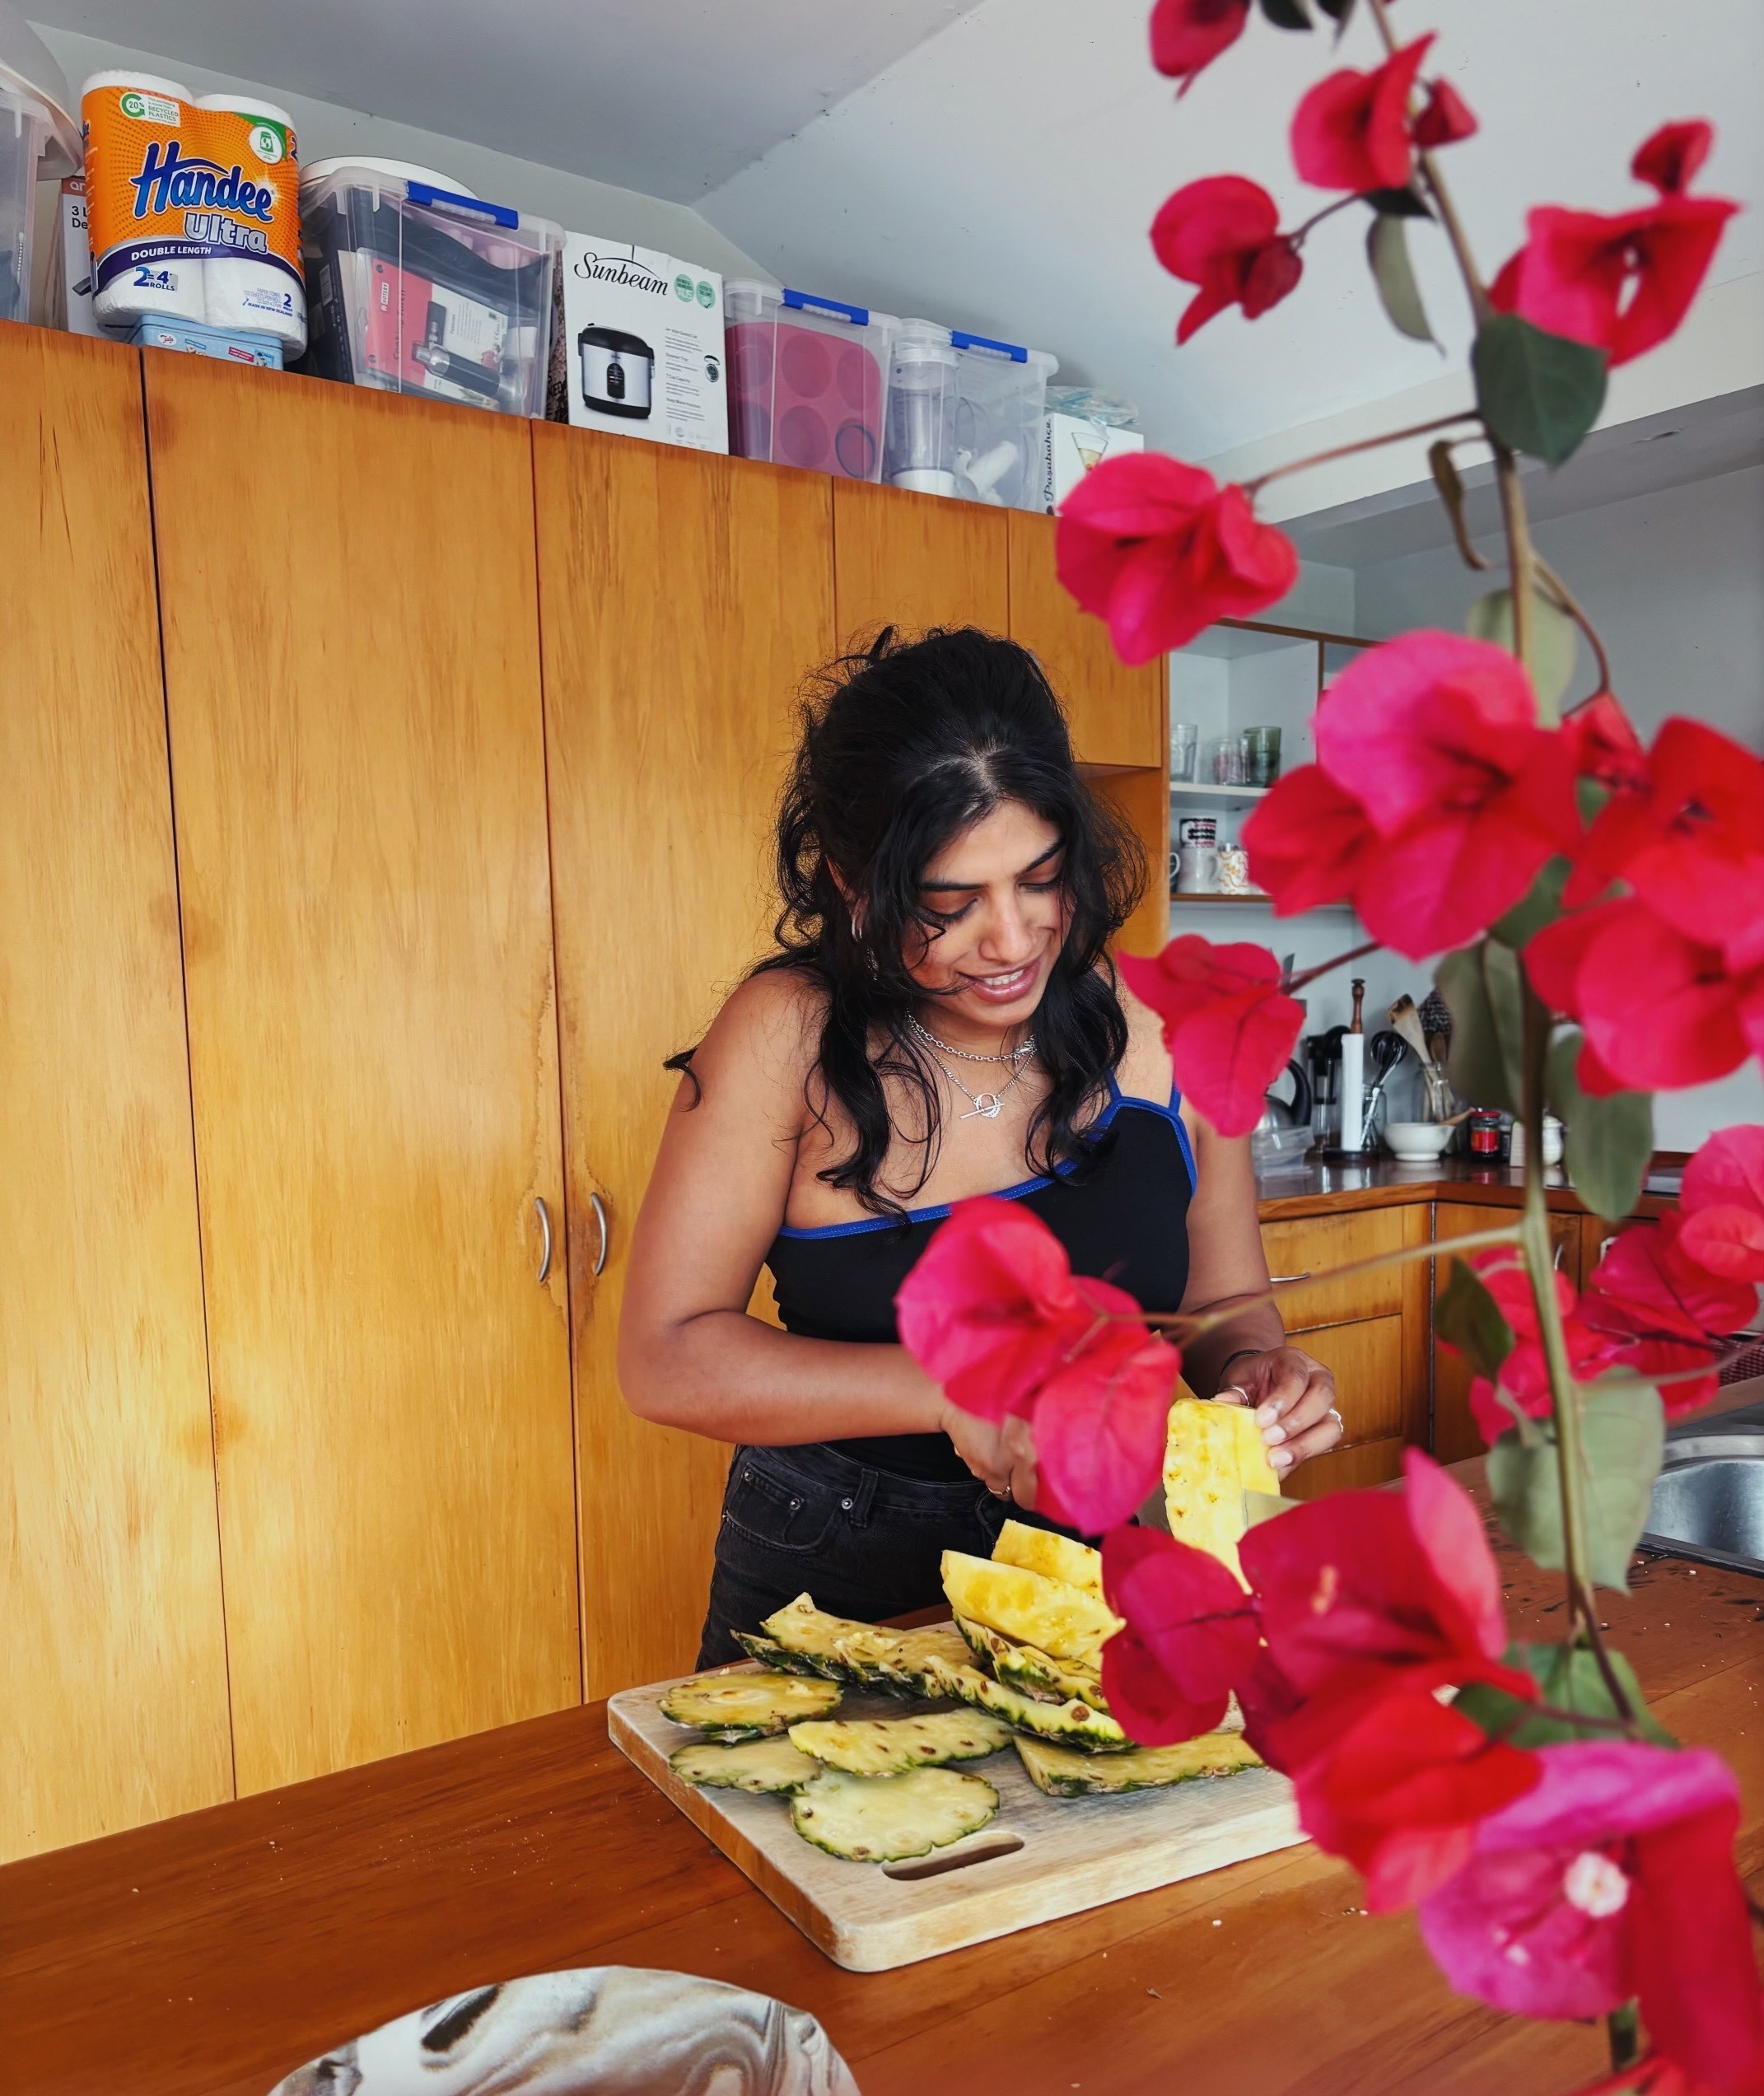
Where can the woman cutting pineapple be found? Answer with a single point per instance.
(939, 1019)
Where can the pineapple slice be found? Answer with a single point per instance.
(833, 1645)
(1028, 1608)
(1055, 1557)
(889, 1746)
(1022, 1667)
(734, 1706)
(883, 1819)
(1062, 1772)
(1074, 1723)
(770, 1765)
(1213, 1454)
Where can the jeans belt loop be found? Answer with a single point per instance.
(863, 1494)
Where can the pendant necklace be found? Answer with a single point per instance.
(983, 1106)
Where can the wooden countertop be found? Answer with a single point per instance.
(208, 1955)
(1315, 1188)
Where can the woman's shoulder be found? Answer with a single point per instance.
(768, 1028)
(1144, 1071)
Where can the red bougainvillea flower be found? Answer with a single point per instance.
(1445, 118)
(1614, 1878)
(1188, 34)
(1224, 235)
(1621, 284)
(1228, 1024)
(1605, 745)
(993, 1311)
(1352, 131)
(1379, 1590)
(1160, 550)
(1673, 155)
(1722, 1203)
(1667, 1315)
(1689, 840)
(1661, 1009)
(1434, 739)
(1524, 1379)
(1099, 1429)
(1191, 1636)
(1400, 1791)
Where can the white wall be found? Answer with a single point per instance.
(1674, 582)
(326, 129)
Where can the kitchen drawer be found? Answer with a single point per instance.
(1373, 1462)
(1317, 1244)
(1367, 1359)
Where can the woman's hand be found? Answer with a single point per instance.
(1002, 1457)
(1294, 1400)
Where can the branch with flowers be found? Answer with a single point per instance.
(1600, 907)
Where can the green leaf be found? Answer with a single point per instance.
(1569, 1679)
(1466, 1316)
(1396, 204)
(1622, 1433)
(1443, 467)
(1338, 10)
(1540, 393)
(1388, 252)
(1541, 904)
(1286, 14)
(1482, 986)
(1606, 1141)
(1553, 642)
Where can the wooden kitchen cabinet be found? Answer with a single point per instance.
(914, 562)
(351, 670)
(1119, 714)
(682, 599)
(1372, 1329)
(1455, 1434)
(112, 1666)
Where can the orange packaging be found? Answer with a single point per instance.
(167, 182)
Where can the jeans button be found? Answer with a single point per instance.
(795, 1505)
(846, 1505)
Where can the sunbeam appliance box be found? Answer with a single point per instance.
(639, 348)
(1070, 445)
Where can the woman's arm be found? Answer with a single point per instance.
(1247, 1357)
(689, 1354)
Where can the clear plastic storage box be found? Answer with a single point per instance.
(920, 452)
(1000, 397)
(807, 379)
(38, 139)
(413, 288)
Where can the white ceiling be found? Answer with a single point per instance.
(670, 97)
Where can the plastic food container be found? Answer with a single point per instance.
(39, 138)
(919, 451)
(416, 288)
(1001, 400)
(807, 379)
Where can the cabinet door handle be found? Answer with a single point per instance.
(544, 1223)
(599, 1207)
(1280, 1280)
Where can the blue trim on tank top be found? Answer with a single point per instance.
(1117, 1099)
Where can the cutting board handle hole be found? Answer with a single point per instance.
(935, 1866)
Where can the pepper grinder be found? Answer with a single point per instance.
(1354, 1074)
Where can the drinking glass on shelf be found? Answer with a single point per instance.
(1225, 760)
(1184, 737)
(1260, 756)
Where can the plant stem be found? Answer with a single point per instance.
(1317, 218)
(1322, 967)
(1519, 567)
(1623, 2028)
(1253, 487)
(1567, 600)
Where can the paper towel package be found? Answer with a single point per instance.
(1070, 445)
(640, 349)
(233, 345)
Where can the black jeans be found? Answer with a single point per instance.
(865, 1544)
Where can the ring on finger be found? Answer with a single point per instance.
(1336, 1416)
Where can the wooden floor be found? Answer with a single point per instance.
(212, 1954)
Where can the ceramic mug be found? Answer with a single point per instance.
(1197, 870)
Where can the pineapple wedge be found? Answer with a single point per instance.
(833, 1645)
(1055, 1557)
(1028, 1608)
(1213, 1453)
(1062, 1772)
(908, 1663)
(1073, 1724)
(1021, 1666)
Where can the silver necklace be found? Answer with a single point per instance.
(983, 1106)
(1025, 1047)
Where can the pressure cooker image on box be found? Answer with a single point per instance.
(618, 372)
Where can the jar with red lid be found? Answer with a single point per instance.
(1485, 1137)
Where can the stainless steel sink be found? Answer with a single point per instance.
(1709, 1498)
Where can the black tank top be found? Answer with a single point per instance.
(1123, 1217)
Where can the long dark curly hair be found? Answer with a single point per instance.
(903, 747)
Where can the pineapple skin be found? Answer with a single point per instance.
(1062, 1773)
(1212, 1454)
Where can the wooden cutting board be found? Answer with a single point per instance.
(1040, 1858)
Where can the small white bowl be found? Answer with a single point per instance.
(1417, 1142)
